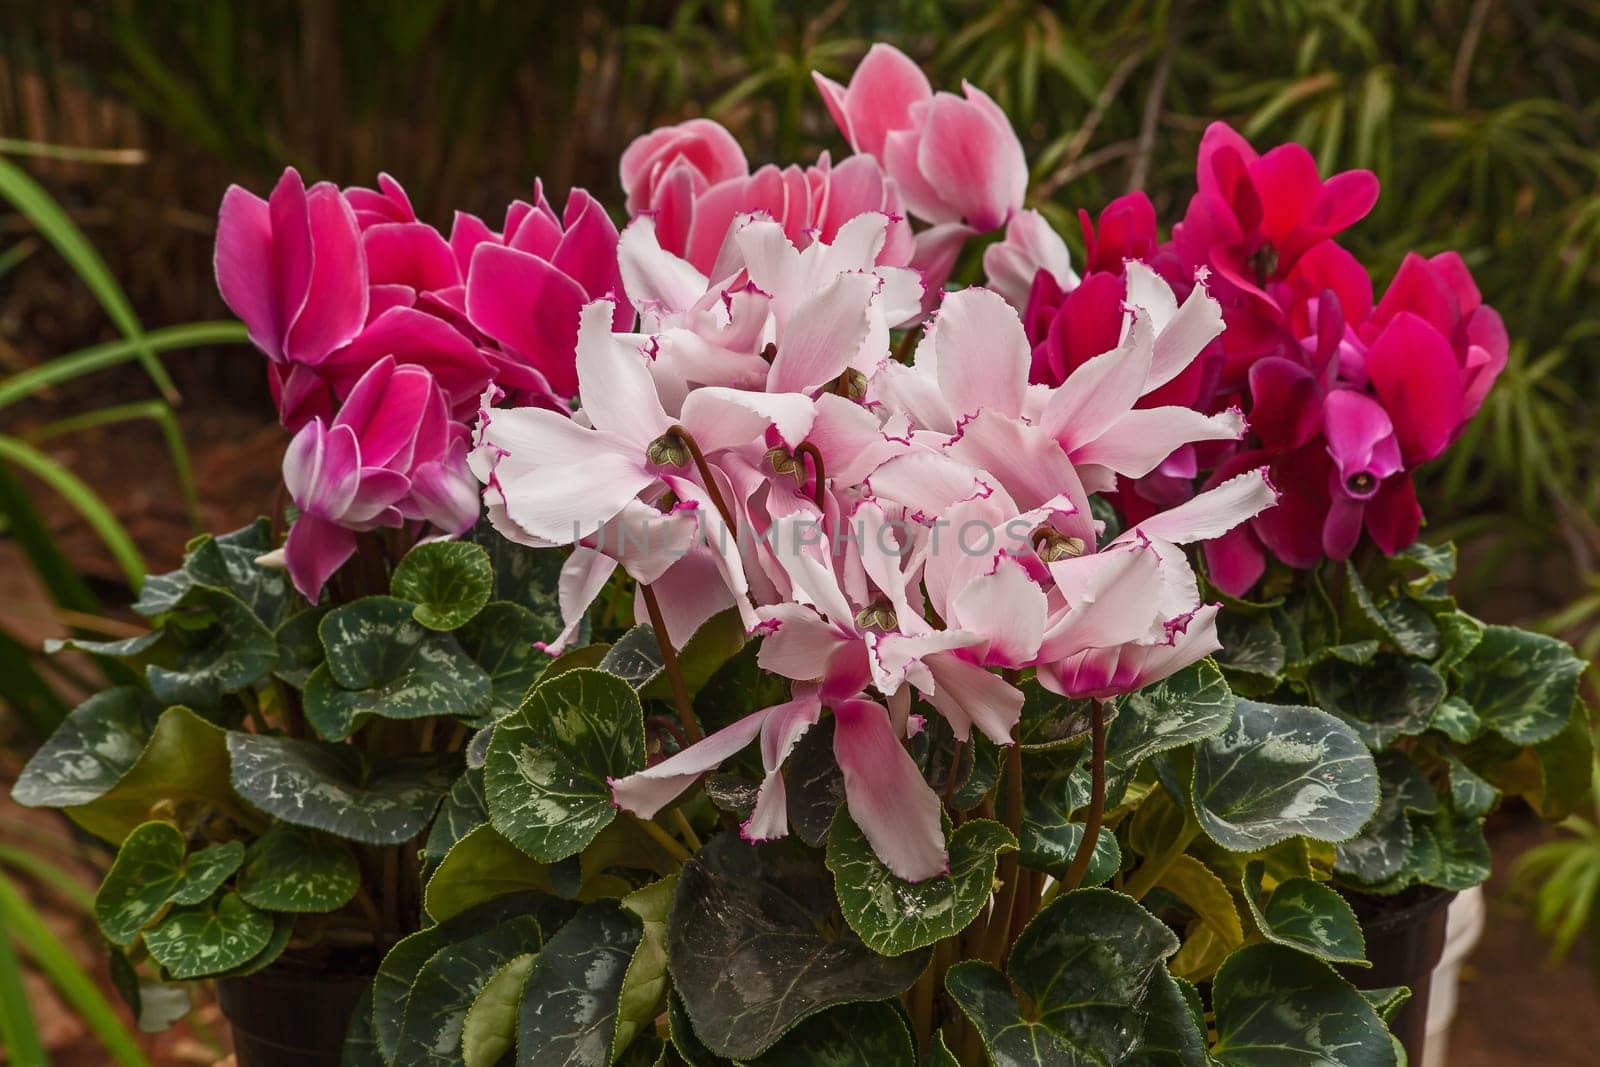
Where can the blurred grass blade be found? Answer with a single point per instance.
(75, 986)
(83, 500)
(115, 157)
(41, 870)
(19, 1038)
(24, 525)
(29, 696)
(99, 357)
(157, 412)
(29, 197)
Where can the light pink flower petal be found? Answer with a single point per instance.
(583, 575)
(1211, 513)
(1139, 441)
(653, 788)
(691, 592)
(1101, 390)
(619, 394)
(970, 152)
(561, 481)
(886, 794)
(884, 86)
(968, 695)
(823, 334)
(801, 645)
(928, 483)
(901, 158)
(722, 418)
(980, 354)
(1030, 246)
(656, 280)
(785, 725)
(1007, 608)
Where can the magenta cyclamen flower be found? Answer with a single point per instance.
(390, 455)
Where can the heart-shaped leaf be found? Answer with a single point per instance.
(223, 648)
(1399, 620)
(505, 640)
(299, 647)
(546, 775)
(1055, 785)
(1049, 720)
(1275, 1005)
(636, 657)
(1306, 915)
(1383, 848)
(206, 870)
(479, 867)
(1521, 684)
(747, 954)
(1189, 706)
(569, 1000)
(403, 963)
(1251, 646)
(291, 868)
(448, 581)
(847, 1035)
(209, 938)
(95, 745)
(185, 761)
(229, 562)
(1279, 771)
(1389, 698)
(895, 916)
(147, 869)
(441, 997)
(340, 789)
(380, 662)
(1217, 929)
(527, 576)
(1085, 966)
(463, 809)
(1457, 720)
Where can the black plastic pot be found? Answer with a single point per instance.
(283, 1017)
(1405, 938)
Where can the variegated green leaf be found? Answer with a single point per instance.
(1251, 646)
(569, 1000)
(1049, 720)
(432, 1030)
(848, 1035)
(448, 581)
(1470, 795)
(403, 963)
(381, 662)
(1276, 1006)
(742, 910)
(1389, 698)
(294, 869)
(1189, 706)
(147, 869)
(636, 657)
(97, 743)
(206, 870)
(1084, 966)
(208, 938)
(1457, 720)
(894, 916)
(222, 648)
(505, 640)
(1521, 684)
(1279, 771)
(546, 775)
(340, 789)
(185, 761)
(1307, 915)
(299, 648)
(1055, 786)
(1383, 847)
(228, 561)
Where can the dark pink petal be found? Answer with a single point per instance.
(1361, 441)
(415, 337)
(588, 253)
(1394, 518)
(335, 306)
(902, 160)
(527, 304)
(1421, 290)
(1418, 380)
(1342, 527)
(1220, 139)
(1285, 411)
(314, 550)
(538, 233)
(243, 263)
(1286, 180)
(292, 252)
(409, 253)
(886, 793)
(1235, 561)
(1292, 531)
(1488, 349)
(467, 232)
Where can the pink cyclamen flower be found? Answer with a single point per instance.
(955, 158)
(692, 156)
(391, 454)
(1030, 248)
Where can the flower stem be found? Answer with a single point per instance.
(681, 821)
(1097, 799)
(997, 936)
(669, 661)
(819, 475)
(711, 483)
(1151, 871)
(664, 839)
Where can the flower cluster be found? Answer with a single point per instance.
(1346, 396)
(888, 530)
